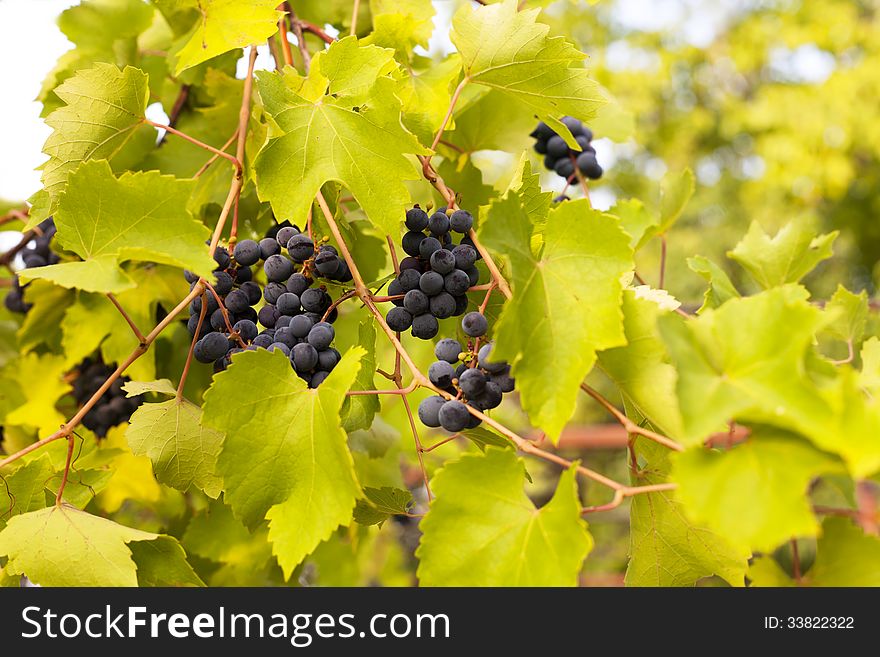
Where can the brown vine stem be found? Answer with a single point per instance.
(393, 251)
(630, 426)
(7, 258)
(628, 491)
(345, 297)
(300, 39)
(354, 17)
(317, 31)
(662, 261)
(192, 347)
(285, 42)
(193, 140)
(455, 96)
(64, 477)
(441, 443)
(13, 215)
(850, 354)
(232, 332)
(214, 158)
(137, 333)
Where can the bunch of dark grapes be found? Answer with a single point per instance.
(113, 407)
(477, 381)
(36, 254)
(297, 317)
(559, 157)
(436, 274)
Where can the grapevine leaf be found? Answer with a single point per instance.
(131, 477)
(734, 362)
(754, 495)
(374, 441)
(851, 312)
(44, 323)
(63, 546)
(869, 377)
(225, 25)
(500, 538)
(566, 299)
(41, 378)
(353, 135)
(183, 452)
(720, 288)
(784, 258)
(358, 411)
(104, 107)
(138, 216)
(666, 548)
(675, 192)
(485, 119)
(641, 369)
(482, 438)
(845, 556)
(764, 571)
(508, 50)
(162, 562)
(379, 504)
(635, 219)
(24, 490)
(401, 25)
(300, 474)
(162, 387)
(425, 95)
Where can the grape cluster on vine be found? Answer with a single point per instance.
(297, 317)
(36, 254)
(113, 407)
(560, 158)
(474, 379)
(436, 274)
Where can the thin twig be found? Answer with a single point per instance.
(393, 251)
(441, 443)
(67, 462)
(192, 347)
(300, 39)
(193, 140)
(630, 426)
(317, 31)
(215, 157)
(449, 111)
(354, 17)
(137, 332)
(348, 295)
(285, 43)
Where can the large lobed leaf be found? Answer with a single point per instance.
(482, 529)
(285, 455)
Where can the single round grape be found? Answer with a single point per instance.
(211, 347)
(461, 304)
(461, 221)
(442, 261)
(493, 367)
(236, 301)
(409, 279)
(589, 166)
(550, 162)
(456, 282)
(542, 131)
(416, 302)
(467, 241)
(222, 282)
(410, 262)
(321, 335)
(412, 242)
(556, 147)
(328, 359)
(474, 324)
(243, 275)
(472, 382)
(425, 326)
(416, 219)
(473, 420)
(327, 263)
(280, 346)
(301, 248)
(273, 292)
(448, 349)
(473, 274)
(427, 247)
(297, 283)
(575, 127)
(285, 234)
(218, 321)
(441, 374)
(285, 336)
(249, 314)
(442, 305)
(438, 223)
(247, 252)
(252, 291)
(399, 319)
(328, 248)
(429, 410)
(312, 300)
(541, 147)
(263, 341)
(453, 416)
(269, 247)
(490, 397)
(304, 357)
(288, 304)
(583, 142)
(189, 276)
(504, 381)
(282, 321)
(277, 268)
(465, 256)
(300, 326)
(246, 329)
(318, 378)
(564, 167)
(431, 283)
(221, 257)
(268, 315)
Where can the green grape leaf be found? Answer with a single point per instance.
(401, 25)
(63, 546)
(851, 312)
(104, 107)
(341, 123)
(379, 504)
(845, 556)
(374, 441)
(160, 387)
(500, 538)
(869, 377)
(106, 220)
(641, 369)
(425, 95)
(666, 548)
(482, 438)
(44, 322)
(636, 220)
(24, 490)
(566, 299)
(485, 119)
(720, 288)
(784, 258)
(183, 452)
(508, 50)
(734, 363)
(754, 495)
(225, 25)
(676, 190)
(299, 474)
(41, 378)
(764, 571)
(162, 562)
(359, 411)
(466, 179)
